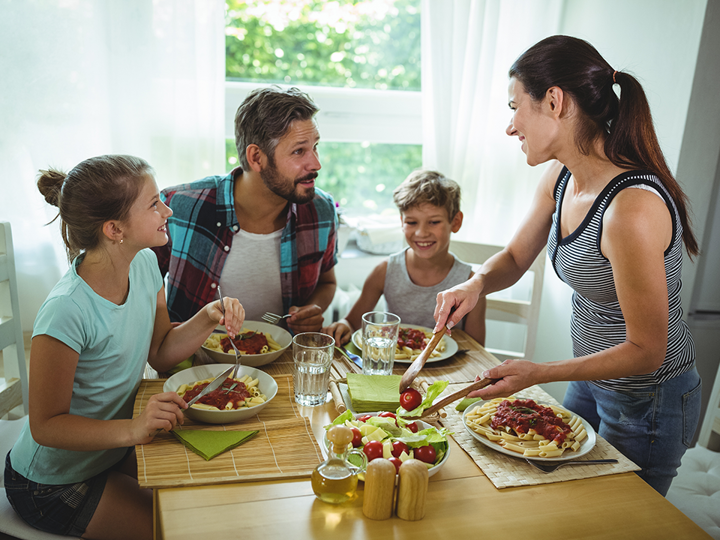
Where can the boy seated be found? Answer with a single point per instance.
(429, 207)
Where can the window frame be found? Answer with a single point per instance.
(351, 115)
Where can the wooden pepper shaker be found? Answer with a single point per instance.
(412, 488)
(379, 489)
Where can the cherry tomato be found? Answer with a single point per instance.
(425, 453)
(373, 450)
(357, 437)
(398, 447)
(410, 399)
(412, 426)
(395, 461)
(364, 418)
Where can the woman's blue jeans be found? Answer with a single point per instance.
(653, 426)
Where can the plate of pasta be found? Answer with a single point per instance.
(412, 339)
(530, 430)
(237, 399)
(259, 343)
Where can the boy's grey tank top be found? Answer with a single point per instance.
(412, 303)
(597, 320)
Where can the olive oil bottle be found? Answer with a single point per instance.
(335, 480)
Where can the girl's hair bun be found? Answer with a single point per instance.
(50, 183)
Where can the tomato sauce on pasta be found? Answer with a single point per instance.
(411, 337)
(231, 391)
(524, 414)
(249, 342)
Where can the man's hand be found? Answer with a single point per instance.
(305, 318)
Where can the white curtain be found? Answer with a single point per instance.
(80, 78)
(467, 48)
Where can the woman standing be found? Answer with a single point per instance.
(614, 220)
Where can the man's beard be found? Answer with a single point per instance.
(285, 188)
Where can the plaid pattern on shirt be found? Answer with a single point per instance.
(201, 232)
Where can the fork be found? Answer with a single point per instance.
(237, 353)
(274, 319)
(550, 467)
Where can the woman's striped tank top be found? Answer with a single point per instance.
(597, 320)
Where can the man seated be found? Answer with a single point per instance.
(264, 232)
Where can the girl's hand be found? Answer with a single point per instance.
(461, 298)
(513, 375)
(339, 331)
(162, 412)
(234, 315)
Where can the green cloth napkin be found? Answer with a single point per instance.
(374, 392)
(209, 444)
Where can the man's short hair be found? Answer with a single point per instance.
(428, 187)
(265, 116)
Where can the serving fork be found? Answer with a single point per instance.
(237, 353)
(272, 318)
(550, 467)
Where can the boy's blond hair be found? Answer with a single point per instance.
(428, 187)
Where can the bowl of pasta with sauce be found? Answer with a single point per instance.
(237, 399)
(259, 343)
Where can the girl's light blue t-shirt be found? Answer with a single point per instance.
(113, 343)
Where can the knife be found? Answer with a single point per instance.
(214, 385)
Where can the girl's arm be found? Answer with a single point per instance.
(637, 228)
(171, 345)
(52, 372)
(504, 268)
(371, 292)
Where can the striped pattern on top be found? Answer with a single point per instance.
(597, 320)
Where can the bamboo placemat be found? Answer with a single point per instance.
(284, 447)
(506, 471)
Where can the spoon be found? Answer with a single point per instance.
(550, 467)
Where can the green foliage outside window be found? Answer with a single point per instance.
(365, 44)
(357, 44)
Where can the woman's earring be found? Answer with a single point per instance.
(121, 240)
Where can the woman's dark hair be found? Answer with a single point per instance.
(96, 190)
(625, 124)
(265, 116)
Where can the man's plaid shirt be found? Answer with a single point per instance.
(201, 232)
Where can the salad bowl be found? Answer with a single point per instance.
(436, 437)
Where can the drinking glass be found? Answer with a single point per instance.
(312, 356)
(379, 339)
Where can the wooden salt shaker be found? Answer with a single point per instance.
(412, 488)
(379, 489)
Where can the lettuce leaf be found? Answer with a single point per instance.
(433, 391)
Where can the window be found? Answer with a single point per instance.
(360, 62)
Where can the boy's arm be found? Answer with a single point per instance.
(371, 292)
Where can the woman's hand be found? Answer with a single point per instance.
(512, 375)
(461, 298)
(162, 412)
(234, 315)
(339, 331)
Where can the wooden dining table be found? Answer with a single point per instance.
(461, 501)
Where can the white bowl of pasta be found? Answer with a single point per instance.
(524, 441)
(252, 337)
(239, 399)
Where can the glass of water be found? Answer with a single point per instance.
(312, 356)
(379, 339)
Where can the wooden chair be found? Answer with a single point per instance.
(503, 308)
(14, 385)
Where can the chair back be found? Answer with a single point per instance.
(512, 316)
(14, 383)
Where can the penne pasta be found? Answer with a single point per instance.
(508, 421)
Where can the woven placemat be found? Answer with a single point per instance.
(506, 471)
(283, 448)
